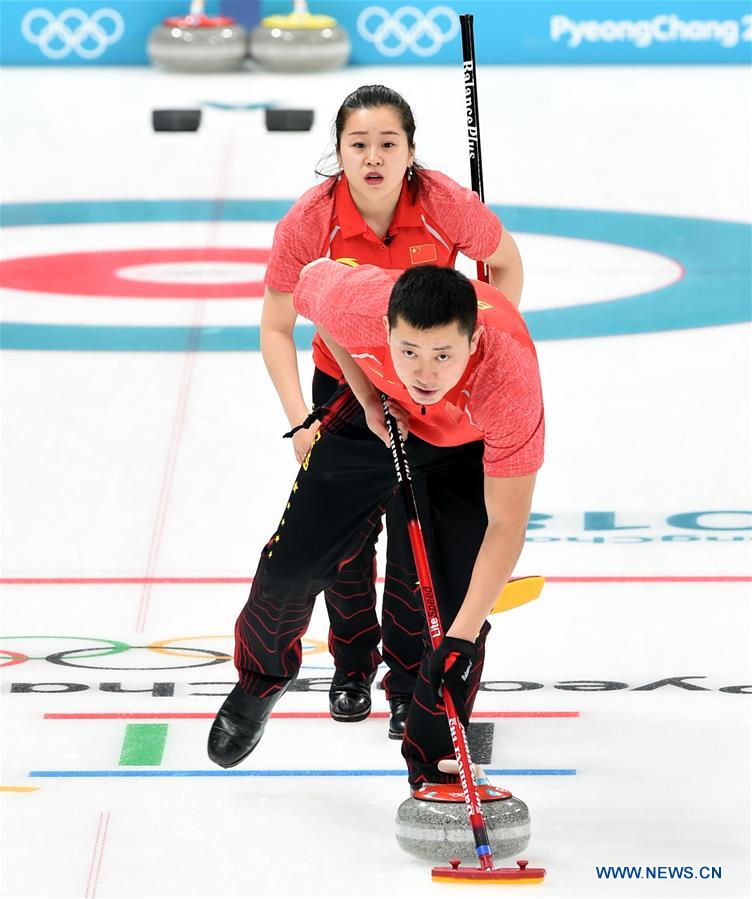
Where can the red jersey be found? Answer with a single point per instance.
(497, 400)
(445, 219)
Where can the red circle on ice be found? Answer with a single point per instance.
(96, 273)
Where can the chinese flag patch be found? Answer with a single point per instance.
(425, 252)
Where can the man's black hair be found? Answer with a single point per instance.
(429, 296)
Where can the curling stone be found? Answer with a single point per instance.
(432, 824)
(299, 42)
(198, 43)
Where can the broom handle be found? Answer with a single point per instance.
(469, 73)
(436, 633)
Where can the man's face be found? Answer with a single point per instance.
(429, 363)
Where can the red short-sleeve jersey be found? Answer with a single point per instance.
(444, 220)
(497, 400)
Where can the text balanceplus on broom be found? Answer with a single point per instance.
(384, 209)
(464, 382)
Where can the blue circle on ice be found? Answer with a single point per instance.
(715, 257)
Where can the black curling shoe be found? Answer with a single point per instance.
(399, 703)
(350, 698)
(239, 725)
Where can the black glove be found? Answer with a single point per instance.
(449, 665)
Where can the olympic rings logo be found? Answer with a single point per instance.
(106, 648)
(408, 28)
(72, 31)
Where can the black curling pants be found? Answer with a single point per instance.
(354, 632)
(331, 517)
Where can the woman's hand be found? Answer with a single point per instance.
(303, 440)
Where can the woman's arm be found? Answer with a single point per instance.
(505, 269)
(472, 226)
(278, 318)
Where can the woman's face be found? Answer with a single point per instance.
(374, 153)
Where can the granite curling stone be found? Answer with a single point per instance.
(432, 824)
(299, 42)
(198, 43)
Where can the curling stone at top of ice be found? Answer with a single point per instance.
(199, 20)
(299, 42)
(299, 19)
(198, 43)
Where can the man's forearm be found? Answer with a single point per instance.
(508, 502)
(359, 383)
(493, 567)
